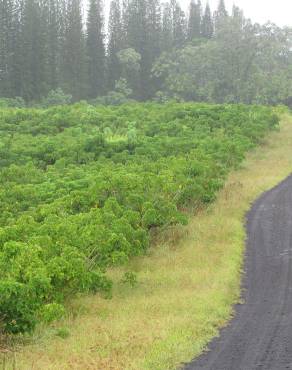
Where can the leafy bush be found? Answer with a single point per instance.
(81, 188)
(51, 312)
(17, 102)
(130, 278)
(56, 97)
(119, 96)
(63, 333)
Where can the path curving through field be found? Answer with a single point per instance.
(260, 335)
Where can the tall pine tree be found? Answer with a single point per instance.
(167, 28)
(207, 28)
(154, 28)
(33, 50)
(194, 20)
(179, 25)
(95, 49)
(137, 40)
(53, 47)
(220, 15)
(74, 67)
(153, 46)
(6, 46)
(116, 33)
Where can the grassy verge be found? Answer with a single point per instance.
(185, 290)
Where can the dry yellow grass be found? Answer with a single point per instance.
(185, 291)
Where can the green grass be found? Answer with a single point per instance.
(185, 287)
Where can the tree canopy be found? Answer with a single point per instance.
(197, 55)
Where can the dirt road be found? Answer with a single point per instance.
(260, 335)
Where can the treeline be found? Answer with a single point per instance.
(50, 44)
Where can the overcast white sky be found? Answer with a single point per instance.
(277, 11)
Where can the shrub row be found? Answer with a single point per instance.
(81, 187)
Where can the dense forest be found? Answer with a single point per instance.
(50, 52)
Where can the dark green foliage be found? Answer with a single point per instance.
(12, 102)
(142, 21)
(63, 333)
(33, 50)
(220, 15)
(56, 97)
(179, 24)
(195, 19)
(207, 26)
(95, 50)
(74, 62)
(116, 43)
(81, 188)
(241, 63)
(6, 46)
(199, 56)
(130, 278)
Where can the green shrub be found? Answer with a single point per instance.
(51, 312)
(130, 278)
(63, 333)
(56, 97)
(81, 188)
(17, 102)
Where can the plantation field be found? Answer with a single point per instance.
(84, 188)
